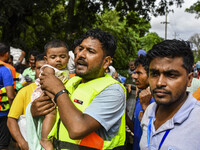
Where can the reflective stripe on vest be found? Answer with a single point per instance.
(81, 98)
(4, 104)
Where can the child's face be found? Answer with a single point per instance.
(57, 57)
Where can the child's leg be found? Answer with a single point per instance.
(47, 125)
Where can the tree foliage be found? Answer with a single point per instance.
(195, 40)
(194, 9)
(149, 40)
(30, 24)
(127, 34)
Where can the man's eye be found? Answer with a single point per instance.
(90, 51)
(80, 48)
(171, 75)
(153, 74)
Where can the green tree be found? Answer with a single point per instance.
(127, 36)
(18, 16)
(30, 24)
(194, 9)
(149, 40)
(195, 40)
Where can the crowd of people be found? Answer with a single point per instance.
(75, 99)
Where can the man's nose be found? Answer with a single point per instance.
(161, 81)
(82, 53)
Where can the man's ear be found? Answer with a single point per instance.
(45, 59)
(190, 77)
(107, 62)
(6, 56)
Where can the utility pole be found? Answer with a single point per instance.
(175, 35)
(165, 22)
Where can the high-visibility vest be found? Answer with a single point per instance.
(82, 95)
(4, 104)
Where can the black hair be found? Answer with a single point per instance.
(40, 57)
(142, 60)
(173, 48)
(108, 42)
(76, 43)
(11, 56)
(54, 44)
(4, 48)
(34, 53)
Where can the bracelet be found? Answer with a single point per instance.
(59, 93)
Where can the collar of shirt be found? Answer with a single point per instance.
(182, 114)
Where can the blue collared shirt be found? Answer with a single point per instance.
(184, 125)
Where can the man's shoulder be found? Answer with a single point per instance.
(114, 87)
(5, 71)
(28, 88)
(27, 69)
(4, 68)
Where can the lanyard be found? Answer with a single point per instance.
(149, 134)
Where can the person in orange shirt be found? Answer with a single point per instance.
(196, 94)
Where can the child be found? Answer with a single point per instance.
(56, 57)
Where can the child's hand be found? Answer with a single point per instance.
(49, 70)
(51, 83)
(46, 144)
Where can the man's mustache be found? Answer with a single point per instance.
(81, 61)
(161, 90)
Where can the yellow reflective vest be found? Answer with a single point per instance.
(82, 94)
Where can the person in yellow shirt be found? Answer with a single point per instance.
(19, 105)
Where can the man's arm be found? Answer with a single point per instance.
(145, 97)
(16, 134)
(10, 93)
(23, 53)
(78, 124)
(42, 106)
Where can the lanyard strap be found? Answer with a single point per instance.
(149, 135)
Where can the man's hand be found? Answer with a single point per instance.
(51, 83)
(145, 97)
(42, 106)
(23, 145)
(16, 133)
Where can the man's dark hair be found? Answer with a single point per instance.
(11, 56)
(4, 48)
(108, 42)
(142, 60)
(55, 44)
(76, 43)
(40, 57)
(34, 53)
(172, 49)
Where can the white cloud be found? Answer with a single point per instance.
(180, 22)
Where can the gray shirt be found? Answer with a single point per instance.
(108, 108)
(184, 125)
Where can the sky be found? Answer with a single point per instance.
(182, 24)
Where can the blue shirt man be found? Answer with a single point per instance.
(143, 99)
(138, 112)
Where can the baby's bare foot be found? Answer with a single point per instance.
(46, 144)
